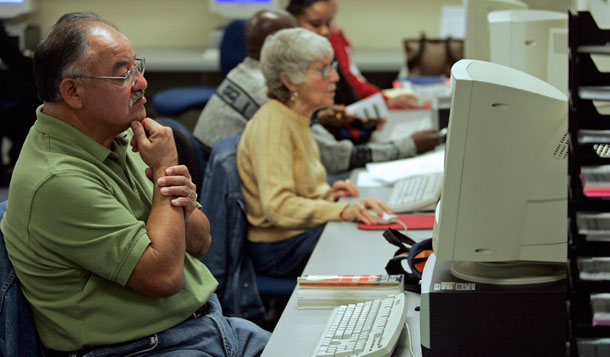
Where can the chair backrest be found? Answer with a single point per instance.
(18, 336)
(177, 101)
(240, 289)
(223, 204)
(233, 45)
(190, 152)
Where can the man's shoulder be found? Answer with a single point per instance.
(38, 163)
(248, 76)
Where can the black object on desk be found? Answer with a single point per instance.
(461, 318)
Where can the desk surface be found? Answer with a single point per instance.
(342, 249)
(207, 60)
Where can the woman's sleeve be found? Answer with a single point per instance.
(362, 87)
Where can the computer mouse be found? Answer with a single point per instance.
(385, 219)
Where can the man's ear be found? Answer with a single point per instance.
(70, 93)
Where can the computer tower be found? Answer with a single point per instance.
(461, 318)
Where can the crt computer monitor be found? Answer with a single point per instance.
(240, 8)
(503, 208)
(520, 39)
(557, 59)
(476, 42)
(12, 8)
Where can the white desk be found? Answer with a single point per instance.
(342, 249)
(208, 60)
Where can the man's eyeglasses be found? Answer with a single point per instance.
(325, 70)
(129, 79)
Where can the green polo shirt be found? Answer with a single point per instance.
(75, 227)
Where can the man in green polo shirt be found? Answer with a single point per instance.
(102, 225)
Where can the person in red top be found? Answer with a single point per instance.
(363, 88)
(316, 16)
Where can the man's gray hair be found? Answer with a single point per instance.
(289, 52)
(61, 53)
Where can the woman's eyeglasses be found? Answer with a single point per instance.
(325, 70)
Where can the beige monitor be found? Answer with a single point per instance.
(557, 59)
(476, 43)
(503, 208)
(10, 9)
(236, 9)
(520, 39)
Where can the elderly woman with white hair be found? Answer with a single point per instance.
(283, 181)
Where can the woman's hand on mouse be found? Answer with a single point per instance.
(359, 211)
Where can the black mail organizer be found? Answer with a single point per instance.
(589, 189)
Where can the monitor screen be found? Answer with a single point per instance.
(504, 197)
(520, 39)
(476, 43)
(12, 8)
(240, 8)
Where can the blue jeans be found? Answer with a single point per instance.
(209, 335)
(287, 258)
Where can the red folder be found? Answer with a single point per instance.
(413, 221)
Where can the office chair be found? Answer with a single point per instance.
(18, 336)
(241, 291)
(233, 45)
(176, 101)
(191, 152)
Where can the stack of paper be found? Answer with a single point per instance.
(600, 306)
(595, 226)
(594, 269)
(595, 180)
(329, 291)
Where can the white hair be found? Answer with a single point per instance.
(289, 52)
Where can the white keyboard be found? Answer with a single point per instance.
(413, 193)
(368, 328)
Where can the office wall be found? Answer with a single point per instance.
(188, 23)
(384, 23)
(147, 23)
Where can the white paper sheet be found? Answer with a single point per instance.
(393, 171)
(453, 21)
(371, 107)
(366, 179)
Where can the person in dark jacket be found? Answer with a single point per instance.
(18, 99)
